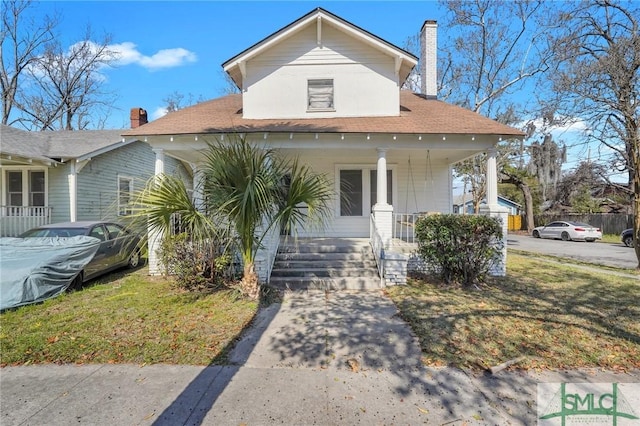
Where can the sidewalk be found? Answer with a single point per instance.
(318, 358)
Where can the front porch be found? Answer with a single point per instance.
(14, 220)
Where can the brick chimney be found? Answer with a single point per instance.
(429, 55)
(138, 117)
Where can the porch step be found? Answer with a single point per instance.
(325, 264)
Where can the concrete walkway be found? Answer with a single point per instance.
(335, 358)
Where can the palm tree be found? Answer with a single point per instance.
(248, 187)
(256, 189)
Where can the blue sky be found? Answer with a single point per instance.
(180, 46)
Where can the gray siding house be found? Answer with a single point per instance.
(49, 177)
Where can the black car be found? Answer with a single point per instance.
(627, 237)
(118, 248)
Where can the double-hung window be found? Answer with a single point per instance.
(25, 188)
(320, 95)
(125, 194)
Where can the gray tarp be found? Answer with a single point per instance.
(36, 269)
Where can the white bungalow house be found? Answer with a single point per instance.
(60, 176)
(329, 92)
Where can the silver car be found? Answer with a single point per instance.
(568, 231)
(118, 246)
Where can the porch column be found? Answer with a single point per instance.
(383, 212)
(155, 236)
(72, 178)
(493, 209)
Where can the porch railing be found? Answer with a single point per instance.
(377, 245)
(14, 220)
(404, 226)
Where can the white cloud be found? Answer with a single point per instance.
(165, 58)
(158, 112)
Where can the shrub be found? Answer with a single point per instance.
(460, 248)
(195, 266)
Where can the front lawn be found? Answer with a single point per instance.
(556, 316)
(125, 319)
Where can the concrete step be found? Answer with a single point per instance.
(342, 283)
(324, 263)
(325, 257)
(314, 272)
(323, 248)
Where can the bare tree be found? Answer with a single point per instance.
(177, 100)
(66, 86)
(598, 80)
(22, 41)
(499, 46)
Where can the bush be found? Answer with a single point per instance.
(195, 266)
(460, 248)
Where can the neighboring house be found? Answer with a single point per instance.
(467, 201)
(329, 92)
(59, 176)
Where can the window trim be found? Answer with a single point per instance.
(26, 187)
(125, 210)
(332, 108)
(365, 168)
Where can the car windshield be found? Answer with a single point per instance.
(581, 224)
(54, 232)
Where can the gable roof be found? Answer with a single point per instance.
(319, 16)
(58, 146)
(417, 116)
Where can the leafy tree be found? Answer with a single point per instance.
(22, 41)
(597, 79)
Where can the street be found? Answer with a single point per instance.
(616, 255)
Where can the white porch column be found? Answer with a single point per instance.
(493, 209)
(73, 191)
(492, 177)
(383, 212)
(155, 237)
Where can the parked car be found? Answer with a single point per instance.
(567, 231)
(118, 248)
(627, 237)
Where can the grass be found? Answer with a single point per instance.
(126, 319)
(611, 238)
(556, 316)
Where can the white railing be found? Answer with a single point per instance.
(377, 245)
(404, 226)
(14, 220)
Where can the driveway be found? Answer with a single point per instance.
(616, 255)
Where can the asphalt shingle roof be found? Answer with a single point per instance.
(55, 144)
(417, 116)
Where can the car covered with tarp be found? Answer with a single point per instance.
(36, 269)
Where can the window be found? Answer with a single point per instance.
(358, 189)
(26, 188)
(14, 188)
(351, 193)
(320, 95)
(125, 194)
(36, 188)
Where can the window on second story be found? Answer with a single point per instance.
(320, 95)
(125, 194)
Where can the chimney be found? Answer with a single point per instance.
(429, 55)
(138, 117)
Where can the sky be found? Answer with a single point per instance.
(168, 46)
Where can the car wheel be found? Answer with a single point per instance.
(76, 284)
(134, 259)
(565, 236)
(536, 234)
(628, 241)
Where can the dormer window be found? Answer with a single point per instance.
(320, 93)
